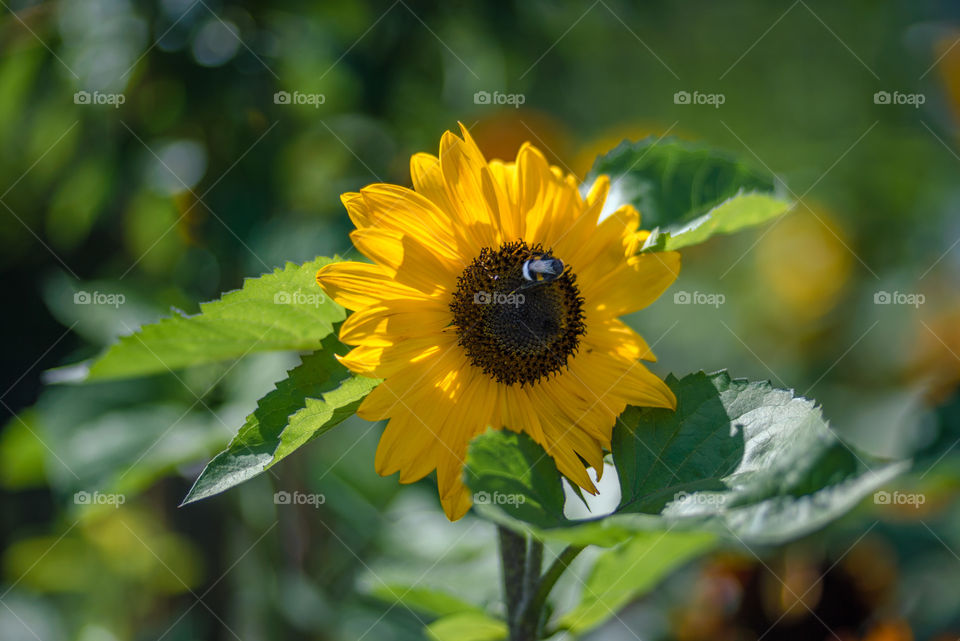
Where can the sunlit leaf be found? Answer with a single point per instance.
(422, 599)
(688, 192)
(316, 396)
(739, 212)
(283, 310)
(741, 459)
(468, 626)
(630, 570)
(511, 472)
(22, 455)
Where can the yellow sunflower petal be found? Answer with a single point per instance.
(608, 247)
(406, 211)
(583, 225)
(428, 180)
(613, 336)
(533, 180)
(406, 446)
(562, 432)
(505, 177)
(382, 362)
(519, 415)
(457, 503)
(359, 285)
(462, 167)
(580, 406)
(632, 286)
(388, 324)
(613, 380)
(557, 438)
(425, 374)
(599, 190)
(411, 263)
(357, 209)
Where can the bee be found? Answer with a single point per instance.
(542, 268)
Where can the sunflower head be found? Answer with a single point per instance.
(494, 298)
(492, 301)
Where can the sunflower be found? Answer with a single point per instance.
(493, 302)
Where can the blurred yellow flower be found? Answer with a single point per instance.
(804, 264)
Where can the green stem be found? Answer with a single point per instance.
(534, 567)
(525, 592)
(513, 551)
(534, 607)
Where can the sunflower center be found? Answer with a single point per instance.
(515, 328)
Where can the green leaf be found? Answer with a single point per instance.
(22, 453)
(668, 452)
(426, 600)
(739, 212)
(744, 459)
(630, 570)
(284, 310)
(511, 472)
(317, 395)
(688, 192)
(945, 446)
(672, 181)
(472, 626)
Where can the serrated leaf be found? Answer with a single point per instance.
(672, 181)
(742, 458)
(426, 600)
(630, 570)
(470, 626)
(283, 310)
(687, 192)
(510, 471)
(661, 454)
(317, 395)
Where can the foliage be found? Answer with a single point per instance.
(94, 200)
(315, 397)
(687, 193)
(283, 310)
(739, 460)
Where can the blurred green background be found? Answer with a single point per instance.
(147, 160)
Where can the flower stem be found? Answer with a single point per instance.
(525, 590)
(533, 606)
(534, 566)
(513, 551)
